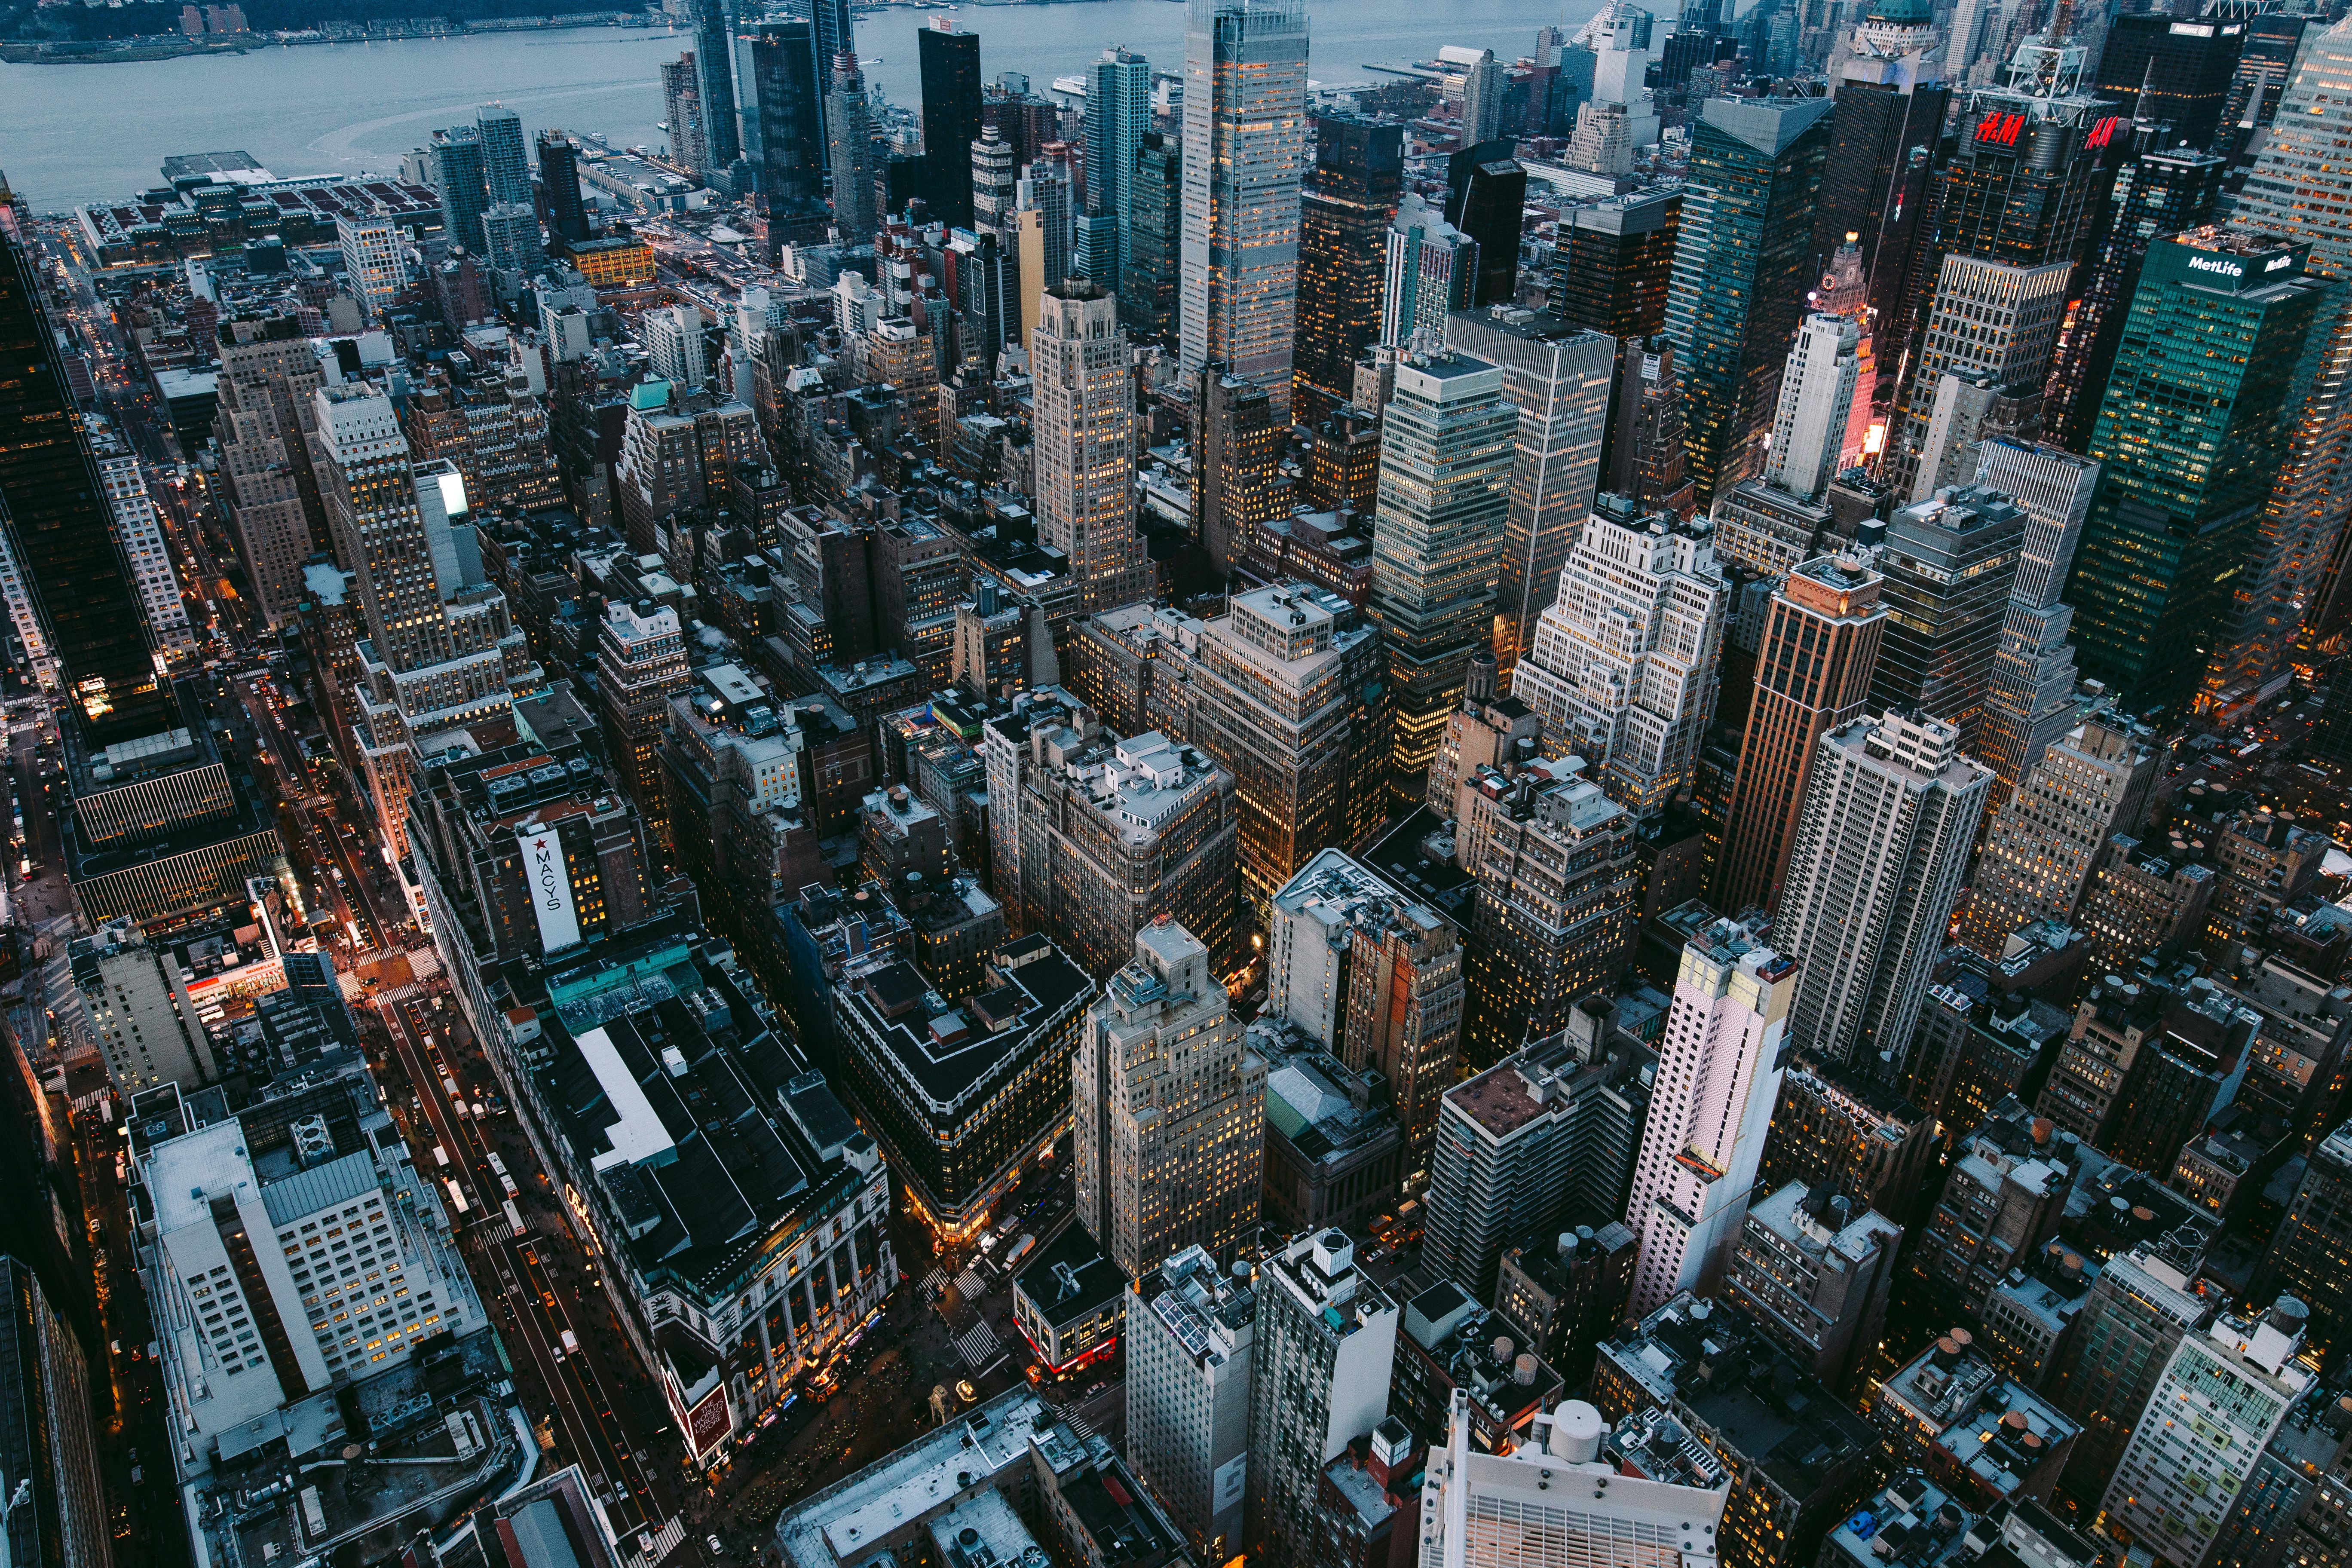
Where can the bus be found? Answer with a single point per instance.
(456, 1198)
(441, 1157)
(514, 1218)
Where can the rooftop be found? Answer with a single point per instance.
(1070, 1279)
(844, 1523)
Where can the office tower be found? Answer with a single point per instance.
(1947, 565)
(2137, 1312)
(1625, 665)
(1614, 264)
(1446, 442)
(1542, 1141)
(1344, 211)
(1325, 1345)
(1191, 1329)
(1647, 457)
(1603, 142)
(1891, 104)
(987, 288)
(131, 511)
(1235, 450)
(714, 88)
(1118, 112)
(1813, 675)
(995, 188)
(1171, 1119)
(55, 508)
(1812, 1270)
(2043, 846)
(849, 150)
(1741, 259)
(2030, 695)
(1890, 813)
(1431, 272)
(1485, 198)
(832, 31)
(1808, 445)
(2157, 191)
(1154, 243)
(370, 254)
(2175, 75)
(1710, 1111)
(1481, 1508)
(1084, 444)
(269, 369)
(506, 174)
(558, 177)
(950, 63)
(675, 344)
(1292, 702)
(457, 156)
(1246, 148)
(1982, 357)
(511, 237)
(1558, 895)
(1559, 378)
(134, 1005)
(2306, 1253)
(1482, 98)
(682, 104)
(60, 1512)
(2184, 483)
(1041, 223)
(2222, 1395)
(789, 114)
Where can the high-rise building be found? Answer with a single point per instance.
(1891, 102)
(1625, 665)
(1558, 377)
(2139, 1310)
(1813, 675)
(850, 151)
(1446, 457)
(714, 88)
(1985, 346)
(1041, 218)
(2307, 1251)
(1236, 446)
(558, 180)
(506, 173)
(1350, 197)
(950, 64)
(1814, 1271)
(135, 1006)
(682, 104)
(372, 261)
(1244, 152)
(1154, 242)
(1083, 442)
(1614, 265)
(1170, 1134)
(1486, 199)
(1808, 445)
(1946, 568)
(511, 239)
(2030, 695)
(1431, 272)
(1118, 112)
(2176, 77)
(457, 161)
(2182, 493)
(1647, 457)
(640, 666)
(675, 347)
(269, 369)
(2039, 855)
(132, 511)
(60, 1512)
(1890, 813)
(995, 186)
(1190, 1332)
(1741, 261)
(787, 104)
(1482, 98)
(1710, 1111)
(1324, 1342)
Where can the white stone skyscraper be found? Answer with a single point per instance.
(1626, 662)
(1710, 1108)
(1890, 812)
(1245, 154)
(1083, 435)
(1170, 1134)
(1809, 426)
(2030, 696)
(2086, 788)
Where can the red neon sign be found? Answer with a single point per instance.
(2104, 132)
(2001, 128)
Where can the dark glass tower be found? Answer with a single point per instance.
(1616, 262)
(1344, 213)
(791, 133)
(714, 66)
(1486, 197)
(1882, 141)
(559, 178)
(2173, 69)
(950, 64)
(1147, 302)
(835, 33)
(58, 521)
(2224, 336)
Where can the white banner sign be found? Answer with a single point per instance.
(550, 885)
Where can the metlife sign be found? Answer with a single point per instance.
(550, 885)
(2239, 270)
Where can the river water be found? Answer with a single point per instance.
(71, 134)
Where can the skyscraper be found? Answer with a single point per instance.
(849, 151)
(714, 88)
(506, 174)
(1889, 120)
(1041, 220)
(1890, 812)
(995, 190)
(1813, 674)
(1432, 270)
(1446, 453)
(1741, 261)
(832, 31)
(1148, 294)
(682, 104)
(1808, 427)
(1482, 98)
(2175, 75)
(1614, 266)
(2030, 695)
(459, 157)
(1947, 565)
(950, 63)
(2044, 843)
(1235, 450)
(269, 369)
(1986, 339)
(1350, 197)
(1710, 1109)
(1084, 444)
(1244, 150)
(2190, 441)
(1646, 459)
(558, 177)
(1118, 112)
(1169, 1133)
(1558, 377)
(1189, 1329)
(1486, 198)
(1624, 666)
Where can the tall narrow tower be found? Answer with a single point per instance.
(1344, 213)
(1083, 428)
(849, 151)
(1118, 112)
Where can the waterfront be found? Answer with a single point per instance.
(77, 133)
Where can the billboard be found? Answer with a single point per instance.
(708, 1424)
(549, 883)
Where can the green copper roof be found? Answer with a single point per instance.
(650, 397)
(1900, 12)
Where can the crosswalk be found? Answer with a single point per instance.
(977, 1345)
(972, 1285)
(1076, 1422)
(931, 1282)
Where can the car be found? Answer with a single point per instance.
(712, 1542)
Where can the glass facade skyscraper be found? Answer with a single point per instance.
(1343, 218)
(1118, 112)
(950, 64)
